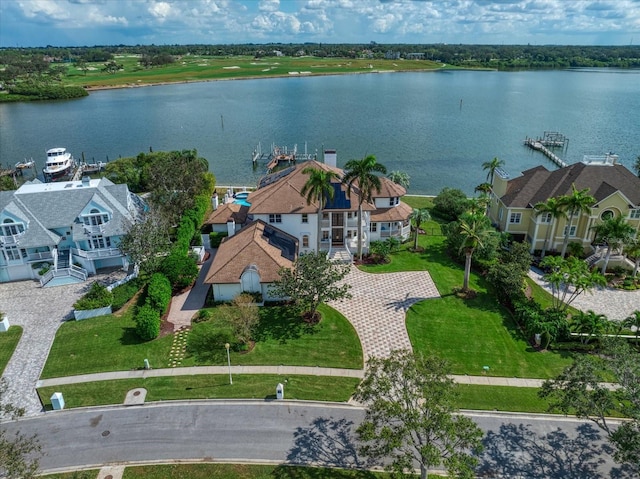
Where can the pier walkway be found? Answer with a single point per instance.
(538, 146)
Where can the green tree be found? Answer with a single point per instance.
(147, 323)
(361, 174)
(473, 228)
(18, 453)
(589, 325)
(450, 204)
(633, 321)
(318, 188)
(418, 216)
(411, 417)
(243, 316)
(632, 250)
(507, 275)
(314, 279)
(400, 178)
(580, 390)
(147, 241)
(552, 207)
(181, 270)
(579, 201)
(491, 167)
(614, 232)
(483, 188)
(569, 278)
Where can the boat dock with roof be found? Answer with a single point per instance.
(281, 156)
(549, 140)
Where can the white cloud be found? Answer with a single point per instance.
(160, 10)
(269, 5)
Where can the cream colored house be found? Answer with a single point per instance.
(615, 188)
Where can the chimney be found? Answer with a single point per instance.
(231, 227)
(500, 180)
(330, 158)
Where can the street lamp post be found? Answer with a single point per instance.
(227, 345)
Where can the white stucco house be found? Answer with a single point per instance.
(278, 204)
(71, 227)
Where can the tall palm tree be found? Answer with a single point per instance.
(554, 208)
(579, 201)
(492, 166)
(318, 188)
(633, 321)
(474, 228)
(418, 216)
(615, 232)
(632, 249)
(362, 174)
(400, 178)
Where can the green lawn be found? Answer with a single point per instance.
(202, 386)
(501, 398)
(8, 342)
(109, 343)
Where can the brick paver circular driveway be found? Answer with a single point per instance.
(379, 304)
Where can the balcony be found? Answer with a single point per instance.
(97, 253)
(11, 239)
(94, 229)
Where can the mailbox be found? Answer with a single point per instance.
(279, 391)
(57, 401)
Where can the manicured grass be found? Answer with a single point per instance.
(88, 474)
(501, 398)
(283, 338)
(418, 201)
(245, 386)
(242, 471)
(8, 342)
(105, 343)
(109, 343)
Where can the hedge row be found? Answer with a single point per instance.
(98, 296)
(48, 92)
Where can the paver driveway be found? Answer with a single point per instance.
(379, 304)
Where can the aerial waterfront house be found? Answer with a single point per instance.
(71, 228)
(615, 188)
(284, 212)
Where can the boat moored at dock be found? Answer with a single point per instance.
(59, 164)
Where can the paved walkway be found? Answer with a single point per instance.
(379, 304)
(40, 312)
(614, 303)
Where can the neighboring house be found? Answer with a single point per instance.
(615, 188)
(279, 203)
(74, 226)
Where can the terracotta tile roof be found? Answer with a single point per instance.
(388, 189)
(400, 212)
(252, 245)
(283, 195)
(538, 184)
(226, 211)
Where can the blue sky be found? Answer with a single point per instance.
(29, 23)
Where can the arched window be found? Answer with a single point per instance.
(607, 215)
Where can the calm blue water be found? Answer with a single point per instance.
(438, 127)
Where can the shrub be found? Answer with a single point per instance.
(181, 270)
(98, 296)
(216, 238)
(159, 292)
(48, 92)
(123, 293)
(450, 204)
(147, 323)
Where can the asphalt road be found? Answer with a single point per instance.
(297, 432)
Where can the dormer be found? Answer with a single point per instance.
(11, 228)
(94, 216)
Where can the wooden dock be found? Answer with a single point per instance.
(539, 146)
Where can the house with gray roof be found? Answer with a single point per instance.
(73, 228)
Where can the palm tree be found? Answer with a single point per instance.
(615, 232)
(400, 178)
(418, 216)
(553, 207)
(474, 229)
(589, 324)
(492, 166)
(633, 250)
(633, 321)
(363, 174)
(318, 188)
(483, 188)
(579, 201)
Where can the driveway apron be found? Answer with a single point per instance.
(379, 304)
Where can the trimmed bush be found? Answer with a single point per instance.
(181, 270)
(450, 204)
(147, 323)
(98, 296)
(123, 293)
(159, 292)
(216, 238)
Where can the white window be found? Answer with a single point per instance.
(351, 234)
(9, 228)
(349, 215)
(373, 227)
(545, 218)
(100, 242)
(393, 201)
(515, 218)
(572, 231)
(634, 214)
(305, 241)
(275, 218)
(305, 218)
(12, 253)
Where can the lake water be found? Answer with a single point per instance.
(438, 127)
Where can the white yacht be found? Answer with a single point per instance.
(59, 163)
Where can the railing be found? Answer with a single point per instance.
(48, 276)
(94, 229)
(124, 280)
(72, 271)
(11, 239)
(40, 256)
(97, 253)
